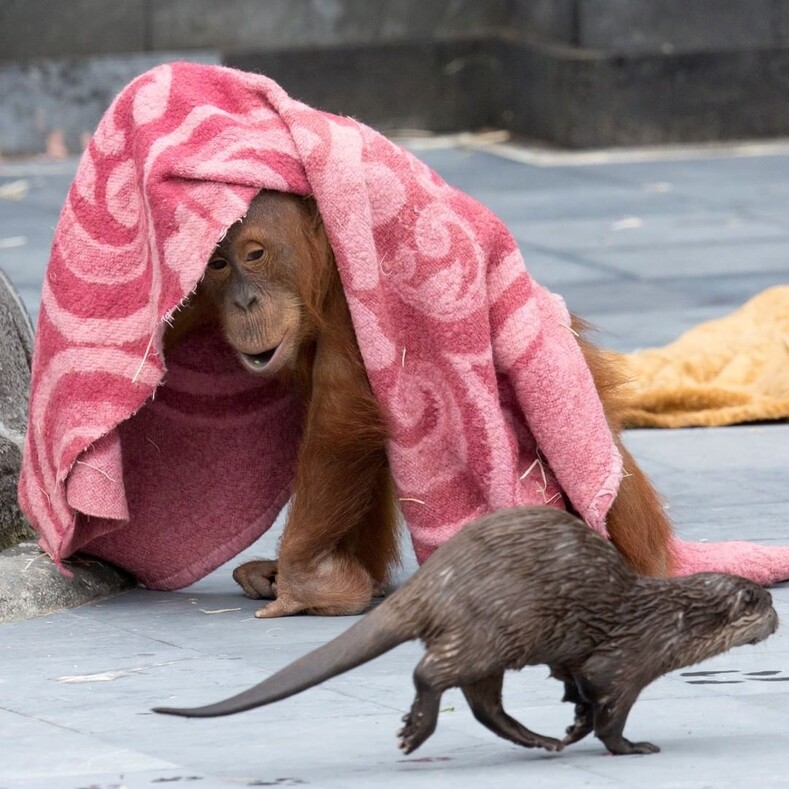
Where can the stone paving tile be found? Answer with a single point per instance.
(69, 754)
(632, 330)
(555, 269)
(588, 199)
(682, 172)
(477, 172)
(688, 260)
(634, 232)
(718, 230)
(596, 300)
(27, 225)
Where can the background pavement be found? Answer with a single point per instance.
(644, 250)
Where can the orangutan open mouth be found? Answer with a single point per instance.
(258, 362)
(260, 359)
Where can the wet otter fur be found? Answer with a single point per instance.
(546, 589)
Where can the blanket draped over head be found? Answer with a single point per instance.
(169, 468)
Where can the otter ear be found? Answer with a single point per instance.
(744, 602)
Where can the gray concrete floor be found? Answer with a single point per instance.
(645, 250)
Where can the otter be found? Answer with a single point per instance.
(528, 586)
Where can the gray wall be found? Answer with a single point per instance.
(656, 26)
(54, 105)
(681, 25)
(580, 73)
(56, 28)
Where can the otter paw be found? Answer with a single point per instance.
(623, 747)
(406, 724)
(548, 743)
(413, 733)
(645, 747)
(577, 732)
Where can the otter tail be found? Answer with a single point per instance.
(373, 635)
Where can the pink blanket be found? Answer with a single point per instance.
(171, 469)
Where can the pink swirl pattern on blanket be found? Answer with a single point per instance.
(169, 470)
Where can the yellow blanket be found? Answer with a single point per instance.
(726, 371)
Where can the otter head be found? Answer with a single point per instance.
(715, 612)
(729, 611)
(751, 613)
(266, 280)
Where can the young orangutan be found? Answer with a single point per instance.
(273, 286)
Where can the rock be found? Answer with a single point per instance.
(31, 585)
(16, 349)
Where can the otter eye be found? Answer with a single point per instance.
(745, 603)
(217, 264)
(749, 597)
(255, 254)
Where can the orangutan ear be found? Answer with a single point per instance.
(312, 208)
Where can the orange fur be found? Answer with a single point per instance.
(272, 283)
(637, 520)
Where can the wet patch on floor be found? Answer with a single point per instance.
(709, 677)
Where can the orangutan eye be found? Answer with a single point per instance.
(255, 254)
(217, 264)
